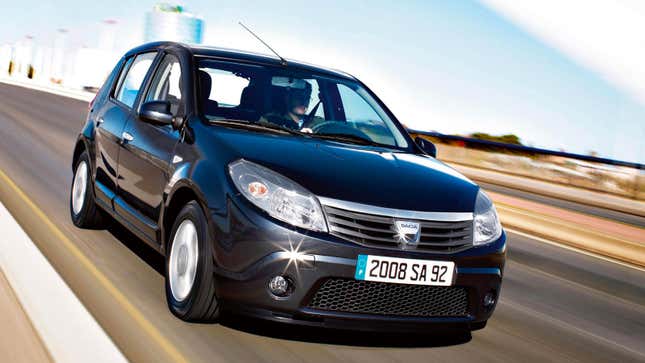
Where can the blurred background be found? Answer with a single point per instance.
(554, 77)
(541, 102)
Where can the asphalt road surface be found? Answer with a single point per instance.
(555, 305)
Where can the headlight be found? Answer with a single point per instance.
(279, 196)
(486, 223)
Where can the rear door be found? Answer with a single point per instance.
(111, 119)
(145, 159)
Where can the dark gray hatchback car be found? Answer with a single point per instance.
(284, 191)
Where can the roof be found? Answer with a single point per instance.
(240, 55)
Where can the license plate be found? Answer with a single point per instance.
(404, 270)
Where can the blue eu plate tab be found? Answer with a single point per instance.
(361, 266)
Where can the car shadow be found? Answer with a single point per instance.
(321, 335)
(291, 332)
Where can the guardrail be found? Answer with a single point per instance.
(528, 149)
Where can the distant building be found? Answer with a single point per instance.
(171, 22)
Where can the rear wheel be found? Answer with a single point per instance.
(190, 282)
(82, 203)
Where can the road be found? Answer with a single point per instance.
(555, 305)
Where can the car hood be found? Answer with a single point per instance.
(356, 173)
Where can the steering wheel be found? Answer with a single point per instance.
(316, 128)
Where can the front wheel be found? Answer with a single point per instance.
(82, 203)
(190, 281)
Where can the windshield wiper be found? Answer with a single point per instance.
(256, 126)
(349, 138)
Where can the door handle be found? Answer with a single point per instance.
(126, 137)
(99, 121)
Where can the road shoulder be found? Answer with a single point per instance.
(19, 340)
(67, 330)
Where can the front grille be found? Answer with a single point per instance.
(379, 231)
(369, 297)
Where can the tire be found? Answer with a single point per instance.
(196, 301)
(478, 325)
(82, 203)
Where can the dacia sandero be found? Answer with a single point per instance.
(284, 191)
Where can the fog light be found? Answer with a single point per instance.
(279, 286)
(489, 300)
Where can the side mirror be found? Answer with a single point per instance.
(427, 146)
(156, 113)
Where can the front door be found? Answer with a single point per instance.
(145, 159)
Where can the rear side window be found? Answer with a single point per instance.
(135, 71)
(122, 73)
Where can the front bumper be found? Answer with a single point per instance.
(258, 248)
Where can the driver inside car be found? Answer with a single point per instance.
(296, 101)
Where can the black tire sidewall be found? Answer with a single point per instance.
(190, 308)
(80, 218)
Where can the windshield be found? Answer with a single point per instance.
(308, 103)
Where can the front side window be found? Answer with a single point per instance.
(166, 84)
(228, 89)
(357, 109)
(314, 104)
(129, 87)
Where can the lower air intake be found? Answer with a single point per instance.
(368, 297)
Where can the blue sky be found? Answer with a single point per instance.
(450, 66)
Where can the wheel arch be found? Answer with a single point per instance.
(182, 193)
(80, 146)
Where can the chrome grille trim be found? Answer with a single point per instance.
(396, 213)
(452, 234)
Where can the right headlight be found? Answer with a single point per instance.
(486, 223)
(278, 195)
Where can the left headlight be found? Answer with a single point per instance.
(278, 195)
(486, 224)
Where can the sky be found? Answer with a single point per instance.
(452, 66)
